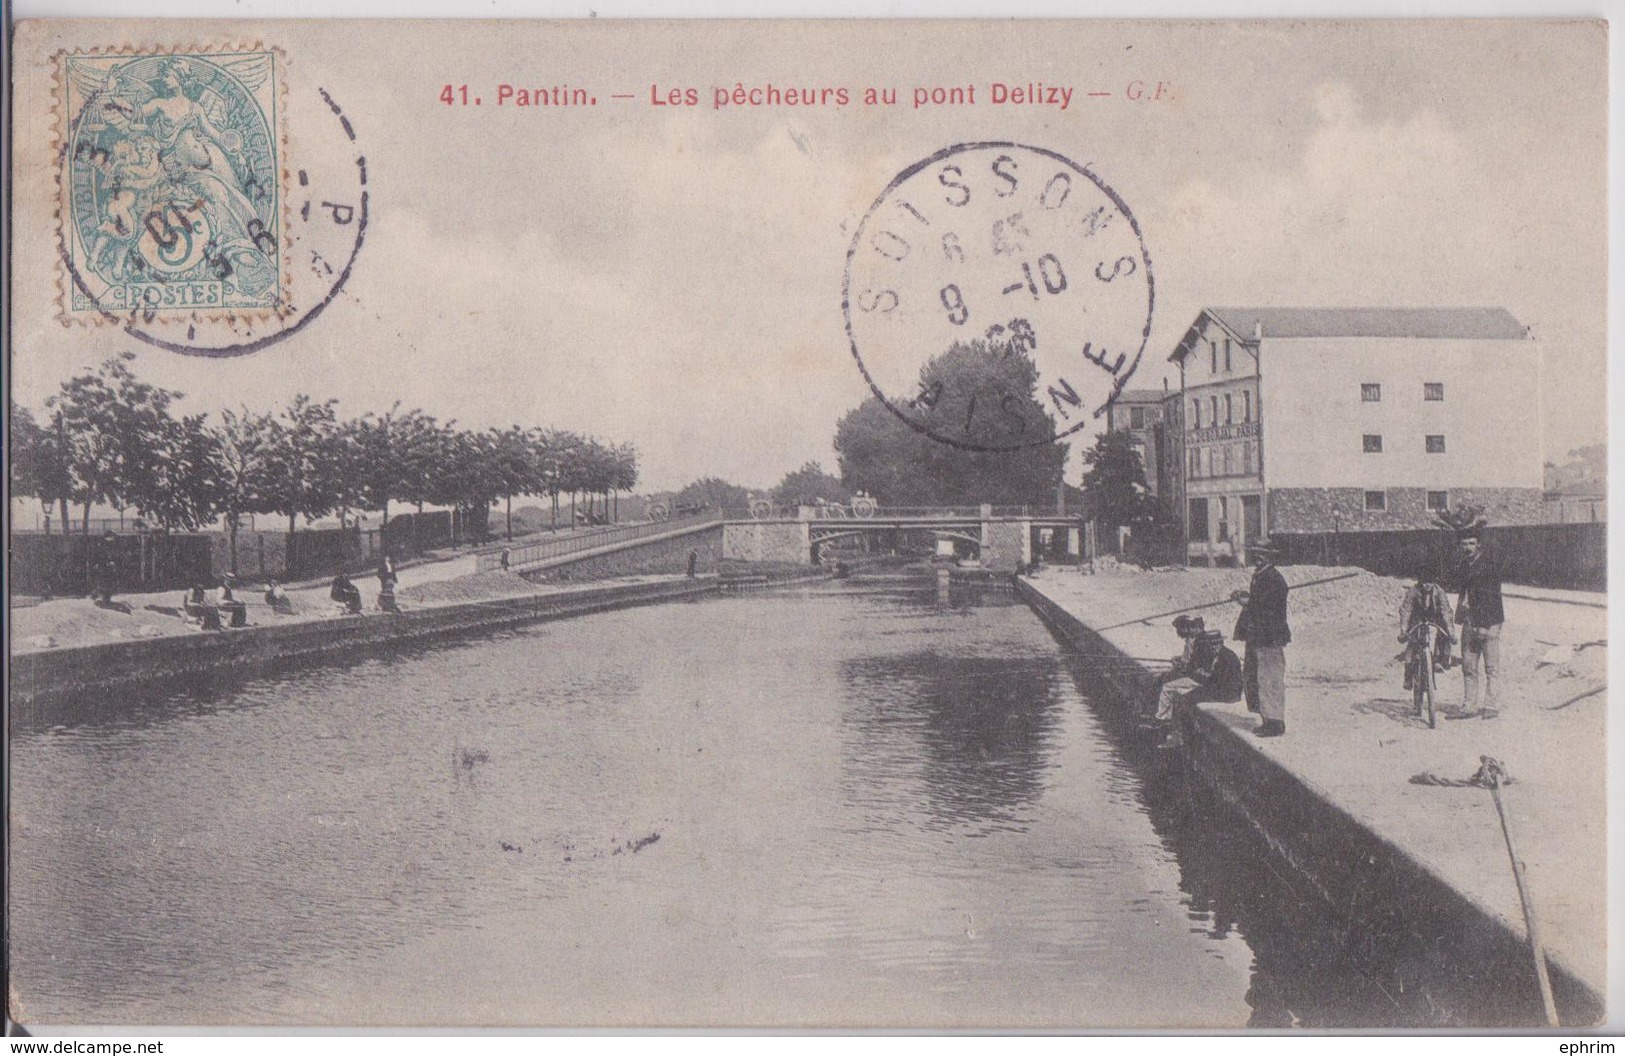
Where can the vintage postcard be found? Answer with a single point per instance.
(858, 524)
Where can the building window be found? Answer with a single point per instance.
(1226, 473)
(1433, 390)
(1224, 519)
(1438, 501)
(1372, 443)
(1371, 392)
(1196, 414)
(1198, 518)
(1246, 405)
(1376, 501)
(1136, 417)
(1247, 458)
(1213, 406)
(1195, 462)
(1435, 443)
(1213, 347)
(1227, 367)
(1228, 416)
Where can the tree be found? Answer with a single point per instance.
(188, 488)
(711, 493)
(990, 386)
(513, 467)
(243, 445)
(302, 472)
(626, 473)
(1114, 485)
(39, 468)
(809, 483)
(111, 428)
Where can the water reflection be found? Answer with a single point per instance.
(978, 728)
(853, 804)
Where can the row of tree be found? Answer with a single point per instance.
(109, 437)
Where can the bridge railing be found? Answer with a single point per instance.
(529, 553)
(835, 512)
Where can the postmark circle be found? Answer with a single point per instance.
(184, 222)
(1017, 250)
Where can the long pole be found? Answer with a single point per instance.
(1536, 947)
(1213, 604)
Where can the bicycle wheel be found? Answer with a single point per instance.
(1418, 685)
(1428, 681)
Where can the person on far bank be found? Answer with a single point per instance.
(693, 563)
(1263, 626)
(1480, 614)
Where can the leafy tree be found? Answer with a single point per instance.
(711, 493)
(991, 387)
(188, 488)
(303, 465)
(808, 483)
(1114, 485)
(243, 457)
(39, 468)
(111, 430)
(514, 467)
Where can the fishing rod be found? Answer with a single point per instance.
(1214, 604)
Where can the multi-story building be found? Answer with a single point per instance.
(1139, 412)
(1301, 420)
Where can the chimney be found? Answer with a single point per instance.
(1258, 329)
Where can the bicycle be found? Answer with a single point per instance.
(1419, 651)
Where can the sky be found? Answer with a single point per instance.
(672, 276)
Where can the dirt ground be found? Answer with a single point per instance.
(1352, 732)
(66, 622)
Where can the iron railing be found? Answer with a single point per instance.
(530, 553)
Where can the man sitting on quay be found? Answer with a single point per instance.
(346, 594)
(1207, 672)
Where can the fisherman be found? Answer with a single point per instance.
(507, 559)
(104, 571)
(1263, 626)
(1426, 602)
(199, 606)
(1211, 673)
(277, 598)
(386, 573)
(235, 609)
(347, 594)
(1187, 627)
(1479, 611)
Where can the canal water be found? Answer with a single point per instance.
(861, 804)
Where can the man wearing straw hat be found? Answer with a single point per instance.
(1264, 628)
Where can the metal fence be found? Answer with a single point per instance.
(593, 539)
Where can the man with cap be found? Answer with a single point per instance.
(1188, 628)
(1263, 627)
(1481, 615)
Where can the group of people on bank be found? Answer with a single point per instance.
(1208, 670)
(219, 608)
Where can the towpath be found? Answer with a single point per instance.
(1352, 733)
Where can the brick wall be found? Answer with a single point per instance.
(1299, 510)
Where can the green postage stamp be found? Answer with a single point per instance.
(171, 175)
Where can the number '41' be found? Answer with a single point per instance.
(452, 95)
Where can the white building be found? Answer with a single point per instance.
(1303, 420)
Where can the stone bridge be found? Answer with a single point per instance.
(1002, 538)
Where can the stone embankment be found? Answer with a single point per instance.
(482, 602)
(1423, 863)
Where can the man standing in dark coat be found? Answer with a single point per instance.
(1264, 628)
(1480, 613)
